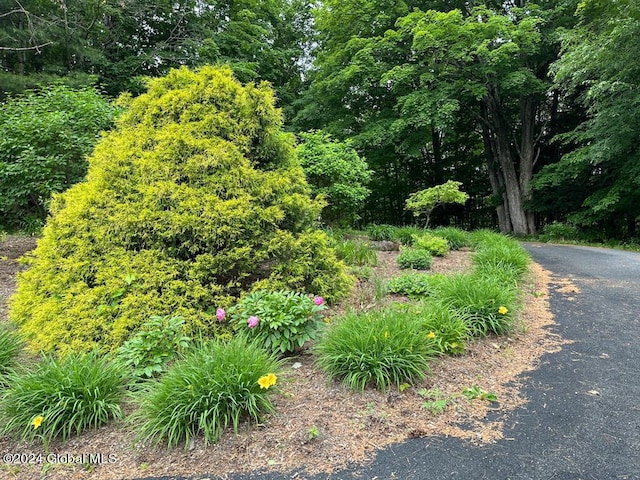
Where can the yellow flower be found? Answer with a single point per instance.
(386, 334)
(503, 310)
(37, 421)
(431, 335)
(267, 381)
(325, 320)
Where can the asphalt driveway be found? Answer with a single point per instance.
(583, 416)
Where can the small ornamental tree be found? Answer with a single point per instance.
(334, 169)
(425, 201)
(195, 198)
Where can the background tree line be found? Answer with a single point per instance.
(530, 105)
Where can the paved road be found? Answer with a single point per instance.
(564, 432)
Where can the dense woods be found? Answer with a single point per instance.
(530, 105)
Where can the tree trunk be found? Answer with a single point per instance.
(528, 153)
(498, 131)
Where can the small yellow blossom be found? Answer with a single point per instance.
(503, 310)
(386, 334)
(267, 381)
(431, 335)
(37, 421)
(325, 320)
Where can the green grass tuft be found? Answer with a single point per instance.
(69, 396)
(383, 348)
(214, 386)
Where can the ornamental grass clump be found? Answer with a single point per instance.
(279, 321)
(456, 238)
(380, 349)
(355, 252)
(10, 347)
(58, 398)
(448, 330)
(485, 303)
(218, 384)
(194, 199)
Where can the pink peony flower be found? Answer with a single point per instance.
(253, 322)
(220, 314)
(318, 300)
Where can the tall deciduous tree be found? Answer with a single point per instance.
(440, 76)
(119, 41)
(600, 65)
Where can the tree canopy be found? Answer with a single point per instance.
(528, 103)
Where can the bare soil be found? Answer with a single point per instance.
(321, 426)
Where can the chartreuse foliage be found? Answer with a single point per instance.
(59, 398)
(216, 385)
(195, 198)
(424, 201)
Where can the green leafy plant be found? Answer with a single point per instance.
(425, 201)
(45, 136)
(279, 321)
(456, 238)
(335, 170)
(10, 346)
(380, 233)
(559, 231)
(361, 273)
(61, 397)
(435, 400)
(485, 303)
(313, 433)
(381, 348)
(435, 245)
(150, 349)
(475, 392)
(202, 198)
(508, 255)
(215, 385)
(355, 252)
(414, 258)
(415, 285)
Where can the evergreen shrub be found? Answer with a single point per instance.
(195, 198)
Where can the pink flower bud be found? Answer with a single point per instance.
(253, 322)
(318, 300)
(220, 314)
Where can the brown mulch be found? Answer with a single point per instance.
(322, 426)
